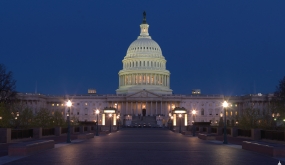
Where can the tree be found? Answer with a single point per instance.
(6, 116)
(280, 90)
(26, 118)
(43, 119)
(7, 85)
(249, 118)
(58, 119)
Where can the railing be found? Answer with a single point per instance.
(48, 131)
(76, 129)
(21, 133)
(272, 135)
(228, 131)
(214, 130)
(64, 130)
(85, 129)
(242, 132)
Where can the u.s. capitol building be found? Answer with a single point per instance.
(144, 90)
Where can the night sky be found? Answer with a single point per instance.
(220, 47)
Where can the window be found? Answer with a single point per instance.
(57, 105)
(86, 104)
(52, 104)
(77, 113)
(202, 111)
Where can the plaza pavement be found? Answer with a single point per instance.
(141, 146)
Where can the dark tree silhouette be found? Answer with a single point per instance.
(7, 85)
(280, 90)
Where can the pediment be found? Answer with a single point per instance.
(143, 93)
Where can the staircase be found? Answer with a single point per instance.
(149, 121)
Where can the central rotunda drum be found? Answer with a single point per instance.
(144, 66)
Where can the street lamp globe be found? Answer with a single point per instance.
(194, 112)
(68, 103)
(97, 111)
(225, 104)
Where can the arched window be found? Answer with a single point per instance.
(147, 63)
(136, 64)
(151, 63)
(140, 63)
(133, 64)
(144, 63)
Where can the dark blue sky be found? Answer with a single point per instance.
(220, 47)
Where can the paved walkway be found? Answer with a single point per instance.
(147, 146)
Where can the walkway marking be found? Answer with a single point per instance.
(228, 145)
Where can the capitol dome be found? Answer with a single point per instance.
(144, 66)
(144, 47)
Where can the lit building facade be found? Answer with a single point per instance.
(144, 90)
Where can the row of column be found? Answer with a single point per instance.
(152, 107)
(144, 79)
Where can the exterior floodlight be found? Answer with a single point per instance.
(109, 110)
(68, 103)
(225, 104)
(194, 112)
(178, 110)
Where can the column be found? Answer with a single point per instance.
(146, 108)
(127, 108)
(156, 108)
(103, 119)
(132, 108)
(136, 108)
(174, 119)
(160, 107)
(169, 81)
(185, 120)
(151, 108)
(122, 113)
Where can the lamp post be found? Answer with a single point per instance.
(225, 105)
(68, 104)
(193, 127)
(97, 126)
(180, 123)
(110, 116)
